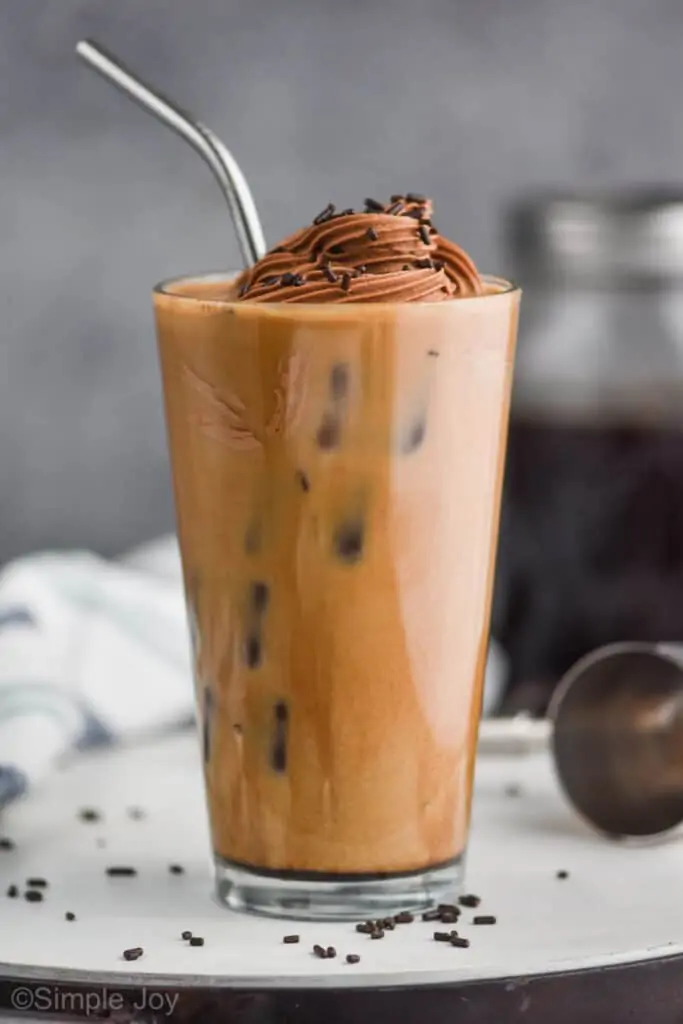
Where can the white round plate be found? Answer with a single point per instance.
(620, 903)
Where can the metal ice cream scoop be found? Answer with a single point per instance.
(615, 732)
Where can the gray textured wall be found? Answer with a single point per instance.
(469, 100)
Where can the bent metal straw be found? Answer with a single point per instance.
(214, 152)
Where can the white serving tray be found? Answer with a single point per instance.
(621, 903)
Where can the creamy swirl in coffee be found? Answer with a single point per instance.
(388, 253)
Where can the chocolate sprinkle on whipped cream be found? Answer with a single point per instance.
(387, 253)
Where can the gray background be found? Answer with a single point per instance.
(471, 101)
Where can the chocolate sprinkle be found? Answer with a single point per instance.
(449, 916)
(12, 892)
(378, 933)
(424, 264)
(469, 901)
(371, 235)
(365, 927)
(431, 915)
(291, 280)
(484, 919)
(186, 935)
(405, 917)
(331, 952)
(121, 872)
(439, 264)
(346, 213)
(89, 814)
(442, 936)
(325, 214)
(337, 250)
(69, 916)
(562, 875)
(415, 197)
(6, 844)
(33, 896)
(196, 940)
(320, 952)
(374, 206)
(352, 958)
(395, 208)
(36, 883)
(459, 942)
(290, 940)
(396, 197)
(133, 954)
(271, 279)
(329, 273)
(424, 234)
(345, 282)
(176, 869)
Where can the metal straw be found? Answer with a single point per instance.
(219, 158)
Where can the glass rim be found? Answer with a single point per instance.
(169, 287)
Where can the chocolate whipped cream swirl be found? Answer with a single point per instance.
(388, 253)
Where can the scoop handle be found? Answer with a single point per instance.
(516, 737)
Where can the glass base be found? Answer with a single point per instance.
(335, 898)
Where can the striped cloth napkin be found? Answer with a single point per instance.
(91, 652)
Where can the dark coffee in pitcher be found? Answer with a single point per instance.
(591, 547)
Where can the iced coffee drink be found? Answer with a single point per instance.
(337, 417)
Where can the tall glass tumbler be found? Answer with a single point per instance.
(337, 474)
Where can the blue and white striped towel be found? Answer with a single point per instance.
(91, 652)
(95, 652)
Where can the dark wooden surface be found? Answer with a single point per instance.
(647, 992)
